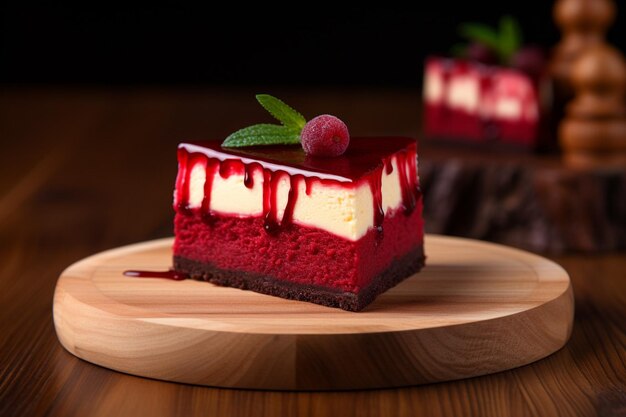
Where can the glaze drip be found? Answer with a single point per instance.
(375, 184)
(248, 175)
(212, 166)
(408, 184)
(388, 166)
(186, 163)
(169, 274)
(308, 185)
(270, 202)
(292, 197)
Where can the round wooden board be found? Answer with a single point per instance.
(476, 308)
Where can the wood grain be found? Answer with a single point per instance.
(537, 203)
(477, 308)
(104, 192)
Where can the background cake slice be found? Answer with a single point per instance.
(275, 220)
(478, 103)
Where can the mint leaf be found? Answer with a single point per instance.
(281, 111)
(482, 34)
(505, 41)
(266, 134)
(510, 37)
(263, 134)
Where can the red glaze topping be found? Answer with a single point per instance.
(366, 160)
(362, 156)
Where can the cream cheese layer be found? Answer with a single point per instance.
(219, 184)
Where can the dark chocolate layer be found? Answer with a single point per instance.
(398, 271)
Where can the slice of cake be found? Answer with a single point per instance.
(336, 232)
(319, 221)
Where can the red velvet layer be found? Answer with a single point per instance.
(442, 121)
(299, 254)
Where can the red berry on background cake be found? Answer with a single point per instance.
(480, 52)
(325, 135)
(530, 59)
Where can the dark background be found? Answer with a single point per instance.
(313, 44)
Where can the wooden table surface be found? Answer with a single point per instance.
(82, 171)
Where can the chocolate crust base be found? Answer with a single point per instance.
(397, 272)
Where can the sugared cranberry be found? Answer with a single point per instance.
(479, 52)
(530, 59)
(325, 135)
